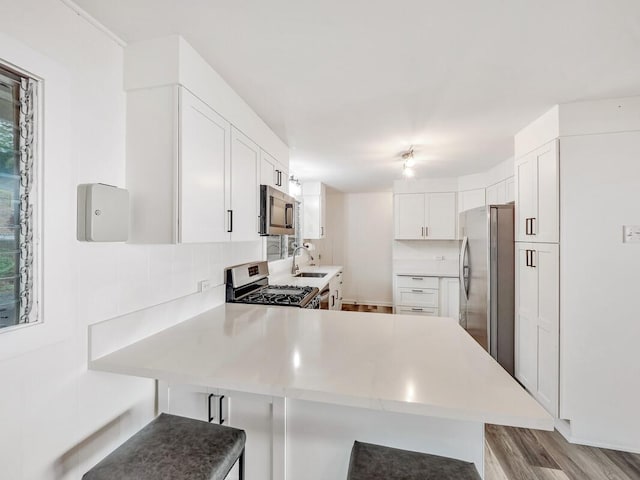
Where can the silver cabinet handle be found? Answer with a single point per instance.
(417, 278)
(426, 231)
(417, 291)
(422, 231)
(416, 310)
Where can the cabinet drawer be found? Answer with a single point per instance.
(422, 297)
(416, 281)
(425, 311)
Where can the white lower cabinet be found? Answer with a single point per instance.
(250, 412)
(426, 295)
(335, 292)
(537, 329)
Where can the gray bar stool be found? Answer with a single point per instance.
(375, 462)
(172, 447)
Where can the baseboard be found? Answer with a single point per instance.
(564, 428)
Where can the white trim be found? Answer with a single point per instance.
(564, 428)
(92, 20)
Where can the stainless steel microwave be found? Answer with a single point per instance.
(276, 212)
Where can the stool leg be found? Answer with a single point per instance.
(241, 466)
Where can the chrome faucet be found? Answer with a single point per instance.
(294, 267)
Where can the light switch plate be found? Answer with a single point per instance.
(631, 233)
(103, 213)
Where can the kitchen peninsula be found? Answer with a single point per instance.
(312, 382)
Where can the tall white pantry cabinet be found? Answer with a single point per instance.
(577, 172)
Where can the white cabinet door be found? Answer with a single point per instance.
(497, 193)
(545, 259)
(253, 414)
(272, 172)
(188, 401)
(441, 215)
(409, 216)
(510, 190)
(546, 224)
(537, 321)
(471, 199)
(450, 298)
(313, 210)
(526, 304)
(526, 172)
(268, 175)
(537, 196)
(203, 160)
(243, 215)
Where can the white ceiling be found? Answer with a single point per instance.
(349, 84)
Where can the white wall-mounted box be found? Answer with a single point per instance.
(103, 213)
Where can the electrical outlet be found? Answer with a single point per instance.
(204, 285)
(631, 233)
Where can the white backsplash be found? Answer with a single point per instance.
(431, 257)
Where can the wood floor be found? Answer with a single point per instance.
(522, 454)
(366, 308)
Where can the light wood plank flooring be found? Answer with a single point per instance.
(366, 308)
(523, 454)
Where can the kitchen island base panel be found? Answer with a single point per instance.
(319, 437)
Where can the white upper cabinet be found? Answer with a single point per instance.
(537, 196)
(273, 173)
(409, 216)
(202, 160)
(469, 199)
(501, 192)
(314, 206)
(510, 190)
(192, 175)
(425, 216)
(441, 216)
(178, 155)
(244, 207)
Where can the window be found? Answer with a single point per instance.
(18, 303)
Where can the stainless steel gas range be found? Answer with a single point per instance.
(249, 283)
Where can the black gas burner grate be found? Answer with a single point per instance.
(279, 295)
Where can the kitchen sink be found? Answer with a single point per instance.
(310, 274)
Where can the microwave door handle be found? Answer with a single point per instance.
(288, 208)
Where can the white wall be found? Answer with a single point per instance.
(599, 320)
(359, 236)
(57, 418)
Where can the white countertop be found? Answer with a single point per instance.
(384, 362)
(288, 279)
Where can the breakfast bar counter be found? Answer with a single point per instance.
(427, 374)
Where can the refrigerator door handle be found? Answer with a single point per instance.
(464, 270)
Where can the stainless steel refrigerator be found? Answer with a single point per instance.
(487, 279)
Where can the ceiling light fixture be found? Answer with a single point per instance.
(409, 162)
(408, 172)
(294, 186)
